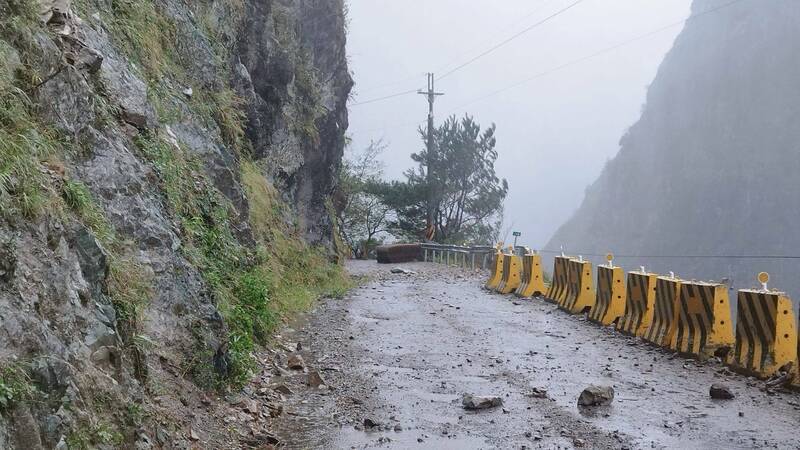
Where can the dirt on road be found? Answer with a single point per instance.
(396, 356)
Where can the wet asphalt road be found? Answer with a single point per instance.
(402, 349)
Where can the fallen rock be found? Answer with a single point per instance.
(596, 396)
(538, 393)
(275, 409)
(261, 440)
(780, 379)
(403, 271)
(252, 406)
(720, 392)
(283, 389)
(369, 422)
(315, 380)
(296, 362)
(474, 402)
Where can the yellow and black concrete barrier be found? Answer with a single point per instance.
(532, 277)
(510, 280)
(610, 303)
(497, 269)
(704, 326)
(766, 336)
(665, 322)
(558, 285)
(639, 300)
(580, 288)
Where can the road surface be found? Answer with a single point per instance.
(402, 349)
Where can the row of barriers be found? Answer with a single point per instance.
(692, 318)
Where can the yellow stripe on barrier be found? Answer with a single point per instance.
(532, 281)
(766, 338)
(580, 292)
(511, 274)
(558, 285)
(610, 303)
(639, 301)
(665, 321)
(704, 321)
(497, 271)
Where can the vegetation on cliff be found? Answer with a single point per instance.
(158, 196)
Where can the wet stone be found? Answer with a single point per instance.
(283, 389)
(370, 423)
(296, 362)
(315, 380)
(474, 402)
(720, 392)
(596, 396)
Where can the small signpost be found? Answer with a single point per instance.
(516, 235)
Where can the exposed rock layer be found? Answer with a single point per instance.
(283, 63)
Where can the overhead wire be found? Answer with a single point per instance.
(387, 97)
(510, 39)
(594, 55)
(554, 69)
(454, 60)
(496, 34)
(477, 57)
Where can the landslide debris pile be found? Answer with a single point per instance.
(710, 168)
(165, 169)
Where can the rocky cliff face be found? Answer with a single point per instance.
(710, 168)
(165, 168)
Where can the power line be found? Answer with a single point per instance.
(513, 37)
(373, 100)
(495, 34)
(479, 56)
(594, 55)
(557, 68)
(452, 61)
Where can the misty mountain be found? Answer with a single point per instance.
(711, 167)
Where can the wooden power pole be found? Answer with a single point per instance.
(431, 93)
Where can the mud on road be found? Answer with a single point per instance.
(400, 351)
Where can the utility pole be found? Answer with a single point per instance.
(431, 93)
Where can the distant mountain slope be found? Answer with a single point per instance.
(712, 166)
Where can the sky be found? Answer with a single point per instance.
(555, 131)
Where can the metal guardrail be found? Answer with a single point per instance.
(472, 257)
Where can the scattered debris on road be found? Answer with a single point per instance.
(596, 396)
(720, 392)
(369, 423)
(780, 379)
(296, 362)
(400, 270)
(390, 368)
(474, 402)
(315, 380)
(538, 393)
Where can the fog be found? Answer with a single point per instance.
(556, 132)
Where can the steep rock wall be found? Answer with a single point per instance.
(710, 168)
(160, 163)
